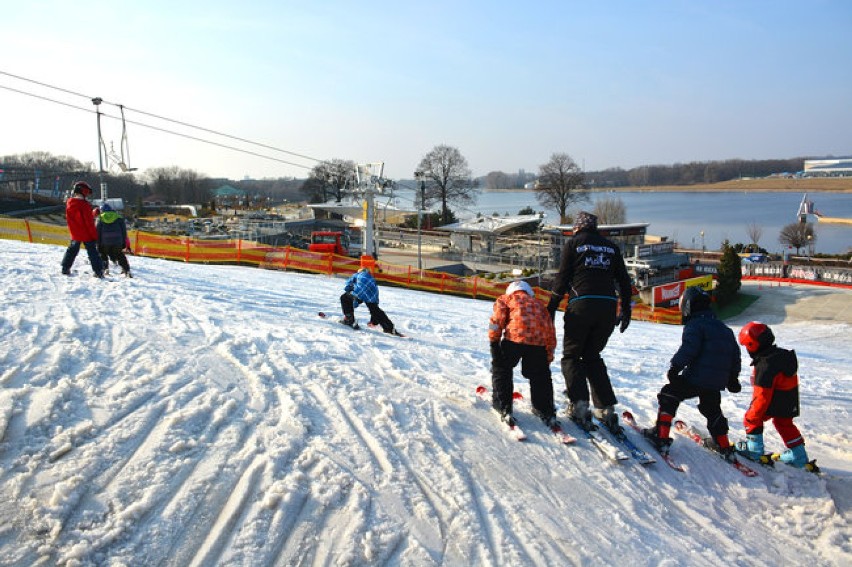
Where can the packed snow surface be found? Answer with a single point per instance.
(204, 415)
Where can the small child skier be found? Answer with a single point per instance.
(112, 239)
(707, 362)
(521, 330)
(775, 396)
(361, 287)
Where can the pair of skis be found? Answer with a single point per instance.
(693, 434)
(356, 327)
(628, 418)
(516, 432)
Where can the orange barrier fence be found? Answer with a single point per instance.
(247, 252)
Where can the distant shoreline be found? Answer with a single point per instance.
(770, 185)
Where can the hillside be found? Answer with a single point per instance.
(204, 415)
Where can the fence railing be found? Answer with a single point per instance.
(247, 252)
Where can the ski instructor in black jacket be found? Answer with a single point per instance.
(590, 267)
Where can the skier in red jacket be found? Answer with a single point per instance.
(81, 225)
(775, 396)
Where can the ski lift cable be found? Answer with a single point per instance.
(152, 115)
(164, 130)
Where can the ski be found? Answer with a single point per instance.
(638, 454)
(606, 447)
(691, 433)
(628, 418)
(557, 429)
(354, 327)
(393, 333)
(561, 436)
(514, 431)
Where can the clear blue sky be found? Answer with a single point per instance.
(612, 83)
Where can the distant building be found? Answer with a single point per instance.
(828, 168)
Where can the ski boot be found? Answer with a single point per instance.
(580, 414)
(507, 418)
(609, 418)
(661, 444)
(549, 419)
(722, 446)
(794, 456)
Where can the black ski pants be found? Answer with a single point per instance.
(589, 322)
(709, 404)
(534, 367)
(377, 315)
(116, 254)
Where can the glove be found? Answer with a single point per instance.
(734, 385)
(674, 375)
(496, 351)
(553, 306)
(623, 319)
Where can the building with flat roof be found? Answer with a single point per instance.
(827, 168)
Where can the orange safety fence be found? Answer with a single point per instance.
(247, 252)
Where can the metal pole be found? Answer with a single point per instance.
(420, 210)
(368, 229)
(97, 102)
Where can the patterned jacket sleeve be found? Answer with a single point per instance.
(498, 321)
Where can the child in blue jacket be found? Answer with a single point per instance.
(707, 362)
(360, 288)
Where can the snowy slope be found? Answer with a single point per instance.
(204, 415)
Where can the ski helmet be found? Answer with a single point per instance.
(82, 188)
(756, 336)
(693, 300)
(520, 285)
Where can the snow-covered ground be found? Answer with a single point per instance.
(204, 415)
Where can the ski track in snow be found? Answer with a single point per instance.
(204, 415)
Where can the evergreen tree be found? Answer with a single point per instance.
(729, 275)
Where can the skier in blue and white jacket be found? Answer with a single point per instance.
(360, 288)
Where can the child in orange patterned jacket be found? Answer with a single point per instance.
(521, 330)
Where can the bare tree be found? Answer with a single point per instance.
(798, 235)
(178, 185)
(610, 211)
(449, 178)
(754, 231)
(560, 183)
(330, 179)
(498, 180)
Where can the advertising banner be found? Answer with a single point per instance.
(668, 295)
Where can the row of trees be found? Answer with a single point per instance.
(693, 172)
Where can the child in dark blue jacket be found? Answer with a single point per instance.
(707, 362)
(112, 239)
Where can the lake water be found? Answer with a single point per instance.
(683, 216)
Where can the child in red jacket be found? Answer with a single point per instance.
(775, 396)
(81, 226)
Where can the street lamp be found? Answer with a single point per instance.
(702, 241)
